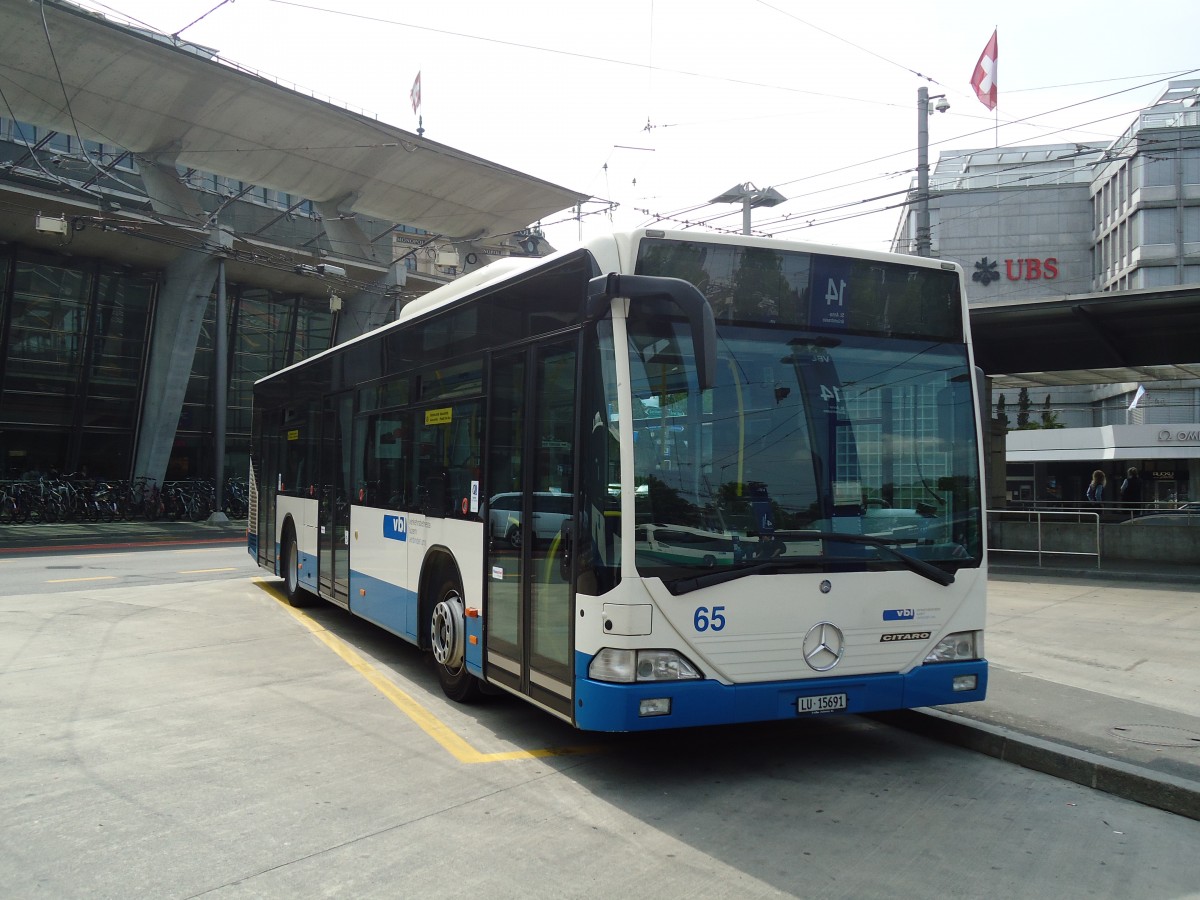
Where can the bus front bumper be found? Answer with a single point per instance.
(647, 706)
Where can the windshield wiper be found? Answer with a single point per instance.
(679, 586)
(914, 564)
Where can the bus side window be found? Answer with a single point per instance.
(445, 460)
(298, 455)
(385, 449)
(463, 454)
(433, 494)
(597, 533)
(428, 473)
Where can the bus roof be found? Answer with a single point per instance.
(613, 252)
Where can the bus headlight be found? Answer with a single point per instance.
(955, 647)
(627, 666)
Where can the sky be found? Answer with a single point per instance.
(655, 107)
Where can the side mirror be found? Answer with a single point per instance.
(693, 304)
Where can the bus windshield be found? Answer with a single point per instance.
(805, 435)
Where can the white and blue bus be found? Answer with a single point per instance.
(752, 468)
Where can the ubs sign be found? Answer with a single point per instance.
(987, 270)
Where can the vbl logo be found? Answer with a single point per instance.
(395, 528)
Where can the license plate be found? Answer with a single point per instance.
(821, 703)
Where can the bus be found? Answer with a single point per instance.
(768, 459)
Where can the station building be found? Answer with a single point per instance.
(1065, 223)
(174, 227)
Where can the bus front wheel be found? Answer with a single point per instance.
(447, 640)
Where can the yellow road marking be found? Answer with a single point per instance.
(205, 571)
(425, 720)
(93, 578)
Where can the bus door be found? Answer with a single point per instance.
(530, 481)
(333, 495)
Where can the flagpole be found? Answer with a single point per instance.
(415, 96)
(996, 111)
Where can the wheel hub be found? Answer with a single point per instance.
(446, 631)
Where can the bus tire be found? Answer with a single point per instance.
(448, 640)
(289, 568)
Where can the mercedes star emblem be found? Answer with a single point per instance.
(823, 646)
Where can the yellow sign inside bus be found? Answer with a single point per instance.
(443, 416)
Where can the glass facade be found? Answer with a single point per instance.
(268, 331)
(74, 338)
(74, 351)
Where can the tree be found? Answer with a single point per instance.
(1049, 416)
(1023, 408)
(1001, 415)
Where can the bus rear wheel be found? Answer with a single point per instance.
(447, 640)
(289, 568)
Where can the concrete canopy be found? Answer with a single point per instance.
(1150, 334)
(173, 105)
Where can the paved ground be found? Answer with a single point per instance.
(63, 536)
(1093, 673)
(1093, 679)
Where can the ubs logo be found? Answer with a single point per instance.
(985, 272)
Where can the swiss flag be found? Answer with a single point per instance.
(415, 94)
(984, 79)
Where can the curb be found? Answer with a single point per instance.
(120, 545)
(1158, 577)
(74, 539)
(1130, 782)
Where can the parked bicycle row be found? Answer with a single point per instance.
(75, 498)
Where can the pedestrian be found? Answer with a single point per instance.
(1131, 489)
(1095, 490)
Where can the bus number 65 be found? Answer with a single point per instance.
(704, 620)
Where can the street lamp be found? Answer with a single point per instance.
(749, 196)
(924, 111)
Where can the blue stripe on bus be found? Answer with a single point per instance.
(600, 706)
(308, 567)
(396, 609)
(385, 604)
(308, 570)
(474, 652)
